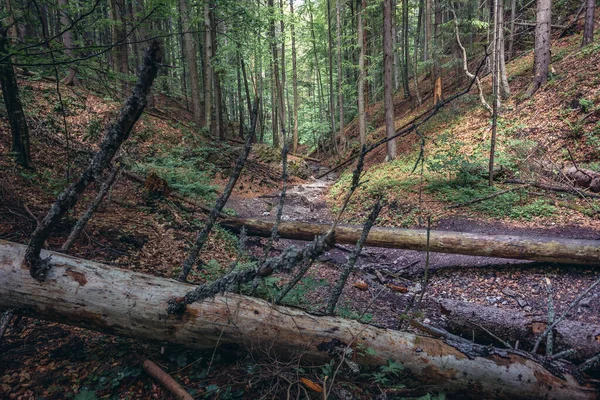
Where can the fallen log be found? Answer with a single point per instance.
(468, 319)
(308, 158)
(550, 249)
(94, 296)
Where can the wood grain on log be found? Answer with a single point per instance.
(557, 250)
(91, 295)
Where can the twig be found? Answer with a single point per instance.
(166, 380)
(81, 223)
(573, 304)
(563, 354)
(591, 363)
(220, 203)
(337, 292)
(504, 343)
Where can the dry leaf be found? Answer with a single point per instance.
(315, 387)
(361, 285)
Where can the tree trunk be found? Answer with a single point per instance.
(541, 62)
(279, 98)
(331, 94)
(338, 17)
(503, 80)
(405, 49)
(388, 88)
(511, 40)
(120, 49)
(14, 108)
(67, 38)
(558, 250)
(208, 84)
(588, 30)
(94, 296)
(191, 60)
(427, 41)
(471, 320)
(362, 119)
(294, 78)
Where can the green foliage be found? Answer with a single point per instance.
(188, 173)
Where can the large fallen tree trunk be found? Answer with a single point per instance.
(471, 320)
(91, 295)
(557, 250)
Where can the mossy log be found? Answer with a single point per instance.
(549, 249)
(91, 295)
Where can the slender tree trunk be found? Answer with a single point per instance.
(331, 93)
(208, 93)
(317, 67)
(120, 50)
(338, 12)
(405, 49)
(191, 59)
(14, 108)
(427, 41)
(388, 87)
(67, 38)
(294, 79)
(588, 30)
(219, 127)
(504, 91)
(511, 40)
(239, 97)
(396, 67)
(541, 62)
(362, 120)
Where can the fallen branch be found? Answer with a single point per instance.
(77, 290)
(166, 381)
(552, 188)
(550, 249)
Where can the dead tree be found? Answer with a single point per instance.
(114, 135)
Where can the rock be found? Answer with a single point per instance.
(527, 308)
(522, 303)
(509, 292)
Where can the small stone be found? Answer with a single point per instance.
(426, 321)
(504, 302)
(491, 300)
(509, 292)
(522, 303)
(527, 308)
(419, 350)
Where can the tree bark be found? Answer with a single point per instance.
(388, 88)
(208, 84)
(588, 30)
(340, 77)
(14, 108)
(331, 94)
(191, 60)
(120, 49)
(94, 296)
(362, 119)
(541, 62)
(550, 249)
(471, 320)
(294, 78)
(67, 37)
(405, 49)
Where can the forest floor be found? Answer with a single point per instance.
(151, 234)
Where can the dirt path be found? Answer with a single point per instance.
(508, 284)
